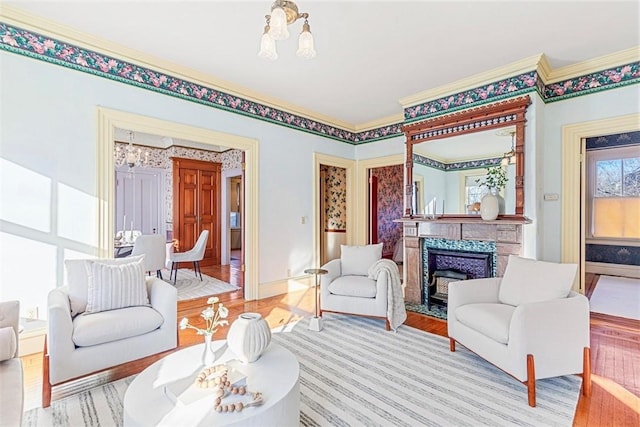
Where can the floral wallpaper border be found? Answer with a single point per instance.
(48, 49)
(472, 164)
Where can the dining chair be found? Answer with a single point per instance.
(195, 255)
(153, 247)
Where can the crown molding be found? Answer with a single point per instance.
(593, 65)
(533, 68)
(515, 68)
(544, 68)
(28, 21)
(381, 122)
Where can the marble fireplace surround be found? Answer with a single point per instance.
(501, 237)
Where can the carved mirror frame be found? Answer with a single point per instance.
(501, 114)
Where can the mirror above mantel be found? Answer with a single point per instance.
(446, 153)
(447, 173)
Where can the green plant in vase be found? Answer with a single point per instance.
(496, 178)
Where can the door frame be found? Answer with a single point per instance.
(573, 192)
(327, 160)
(362, 206)
(108, 120)
(225, 256)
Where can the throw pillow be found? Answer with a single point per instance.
(7, 343)
(527, 281)
(114, 286)
(78, 271)
(78, 277)
(356, 260)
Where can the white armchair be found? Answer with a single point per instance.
(154, 249)
(108, 314)
(347, 287)
(528, 323)
(11, 382)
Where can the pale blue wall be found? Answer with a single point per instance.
(48, 134)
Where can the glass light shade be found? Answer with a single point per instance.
(278, 24)
(268, 48)
(305, 46)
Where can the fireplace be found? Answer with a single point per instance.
(469, 233)
(444, 266)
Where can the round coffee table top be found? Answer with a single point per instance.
(154, 397)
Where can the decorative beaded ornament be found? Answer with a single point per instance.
(216, 377)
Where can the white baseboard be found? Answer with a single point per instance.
(613, 269)
(270, 289)
(32, 337)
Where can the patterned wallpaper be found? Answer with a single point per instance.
(610, 254)
(161, 159)
(617, 140)
(335, 197)
(390, 199)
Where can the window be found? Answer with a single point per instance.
(473, 190)
(613, 180)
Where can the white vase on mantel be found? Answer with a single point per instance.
(490, 205)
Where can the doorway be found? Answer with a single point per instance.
(333, 176)
(573, 181)
(385, 205)
(235, 221)
(109, 120)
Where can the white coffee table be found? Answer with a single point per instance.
(275, 374)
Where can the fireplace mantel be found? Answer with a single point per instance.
(505, 232)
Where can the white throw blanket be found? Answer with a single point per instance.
(396, 312)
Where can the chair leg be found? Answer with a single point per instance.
(452, 344)
(159, 274)
(197, 264)
(586, 372)
(531, 380)
(46, 380)
(174, 270)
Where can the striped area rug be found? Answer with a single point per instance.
(354, 373)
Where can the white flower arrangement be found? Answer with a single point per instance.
(212, 316)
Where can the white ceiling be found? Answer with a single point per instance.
(370, 53)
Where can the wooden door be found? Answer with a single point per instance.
(209, 212)
(197, 206)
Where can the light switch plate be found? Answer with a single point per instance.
(549, 197)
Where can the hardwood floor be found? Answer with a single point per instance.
(615, 352)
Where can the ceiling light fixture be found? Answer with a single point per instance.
(130, 155)
(283, 13)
